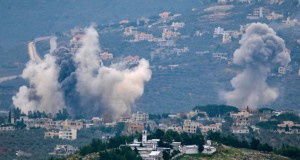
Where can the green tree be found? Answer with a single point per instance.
(166, 155)
(287, 128)
(254, 144)
(265, 147)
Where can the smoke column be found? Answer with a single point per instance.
(260, 51)
(44, 92)
(113, 89)
(53, 43)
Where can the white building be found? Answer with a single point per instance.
(281, 70)
(68, 134)
(218, 31)
(240, 130)
(189, 149)
(226, 37)
(106, 56)
(241, 114)
(208, 149)
(147, 148)
(177, 25)
(63, 150)
(155, 155)
(139, 116)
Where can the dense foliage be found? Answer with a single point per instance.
(255, 144)
(216, 110)
(287, 117)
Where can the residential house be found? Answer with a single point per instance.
(68, 134)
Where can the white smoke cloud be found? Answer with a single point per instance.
(260, 50)
(117, 89)
(44, 92)
(53, 43)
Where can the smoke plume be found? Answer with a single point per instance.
(110, 88)
(53, 44)
(260, 51)
(44, 92)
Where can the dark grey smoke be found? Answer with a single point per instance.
(260, 51)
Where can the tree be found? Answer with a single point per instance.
(17, 113)
(290, 151)
(119, 128)
(166, 155)
(254, 144)
(148, 128)
(216, 110)
(198, 131)
(287, 128)
(265, 147)
(62, 115)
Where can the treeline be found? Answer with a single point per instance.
(112, 150)
(216, 110)
(158, 116)
(231, 140)
(60, 115)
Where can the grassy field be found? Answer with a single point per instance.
(225, 152)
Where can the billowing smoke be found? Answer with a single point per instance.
(114, 88)
(80, 82)
(260, 51)
(53, 44)
(44, 92)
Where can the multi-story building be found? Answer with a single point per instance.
(68, 134)
(143, 37)
(226, 37)
(51, 134)
(242, 121)
(97, 121)
(139, 116)
(281, 70)
(214, 128)
(133, 128)
(190, 126)
(241, 114)
(106, 56)
(175, 128)
(69, 124)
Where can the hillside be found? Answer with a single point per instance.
(229, 153)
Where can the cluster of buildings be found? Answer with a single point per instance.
(288, 127)
(149, 150)
(63, 150)
(290, 22)
(166, 43)
(262, 12)
(76, 43)
(242, 121)
(131, 60)
(226, 35)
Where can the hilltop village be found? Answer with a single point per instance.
(203, 120)
(191, 60)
